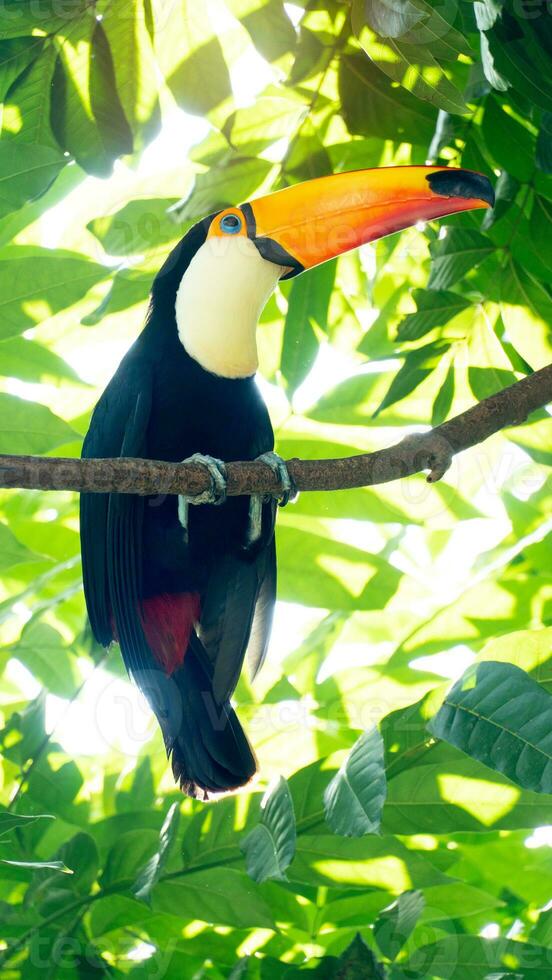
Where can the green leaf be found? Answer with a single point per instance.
(138, 227)
(16, 55)
(271, 117)
(27, 111)
(394, 925)
(21, 19)
(452, 256)
(218, 895)
(12, 552)
(435, 308)
(129, 854)
(200, 82)
(500, 716)
(418, 48)
(521, 52)
(269, 848)
(372, 107)
(510, 143)
(151, 872)
(308, 304)
(36, 283)
(362, 863)
(81, 854)
(418, 365)
(341, 577)
(87, 118)
(130, 287)
(354, 799)
(526, 307)
(443, 400)
(391, 18)
(39, 865)
(134, 66)
(9, 821)
(41, 649)
(28, 361)
(222, 187)
(26, 172)
(267, 23)
(506, 190)
(27, 427)
(462, 957)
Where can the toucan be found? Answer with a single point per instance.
(186, 591)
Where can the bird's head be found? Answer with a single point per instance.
(240, 253)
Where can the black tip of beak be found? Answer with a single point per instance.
(462, 183)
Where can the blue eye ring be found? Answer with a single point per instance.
(231, 224)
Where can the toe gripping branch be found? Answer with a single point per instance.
(215, 493)
(288, 491)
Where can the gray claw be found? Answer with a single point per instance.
(216, 494)
(288, 492)
(280, 470)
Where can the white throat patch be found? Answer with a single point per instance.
(219, 302)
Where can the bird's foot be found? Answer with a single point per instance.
(287, 492)
(288, 489)
(215, 494)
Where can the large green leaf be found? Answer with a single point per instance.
(526, 306)
(435, 308)
(521, 51)
(27, 427)
(87, 117)
(36, 283)
(266, 21)
(500, 716)
(474, 958)
(453, 255)
(270, 846)
(27, 111)
(371, 106)
(26, 172)
(420, 41)
(135, 71)
(16, 54)
(219, 895)
(22, 17)
(138, 227)
(418, 365)
(42, 650)
(24, 359)
(224, 186)
(193, 59)
(340, 576)
(12, 552)
(354, 799)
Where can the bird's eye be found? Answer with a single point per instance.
(231, 224)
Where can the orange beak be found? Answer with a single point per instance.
(309, 223)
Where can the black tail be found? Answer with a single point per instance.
(205, 742)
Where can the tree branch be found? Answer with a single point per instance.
(431, 451)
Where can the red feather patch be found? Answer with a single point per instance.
(168, 621)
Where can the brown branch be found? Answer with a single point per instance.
(431, 451)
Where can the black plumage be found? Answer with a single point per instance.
(161, 404)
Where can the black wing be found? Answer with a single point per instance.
(111, 524)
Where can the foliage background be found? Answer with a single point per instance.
(385, 593)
